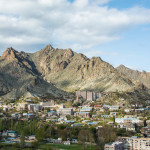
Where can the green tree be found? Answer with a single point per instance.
(1, 124)
(48, 147)
(22, 139)
(63, 134)
(49, 131)
(12, 124)
(85, 136)
(105, 135)
(68, 117)
(34, 145)
(15, 146)
(40, 134)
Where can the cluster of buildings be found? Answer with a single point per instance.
(11, 137)
(89, 112)
(128, 123)
(89, 95)
(146, 131)
(51, 110)
(129, 143)
(83, 112)
(114, 146)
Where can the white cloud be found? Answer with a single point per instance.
(99, 2)
(99, 52)
(79, 25)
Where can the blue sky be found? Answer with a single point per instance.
(132, 50)
(121, 4)
(116, 30)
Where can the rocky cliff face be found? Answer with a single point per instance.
(19, 76)
(136, 76)
(71, 71)
(49, 70)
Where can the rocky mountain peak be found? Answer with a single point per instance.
(121, 67)
(69, 53)
(10, 53)
(144, 72)
(66, 69)
(143, 77)
(47, 49)
(97, 59)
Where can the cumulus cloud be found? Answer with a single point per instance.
(80, 24)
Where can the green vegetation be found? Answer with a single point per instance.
(86, 135)
(71, 147)
(46, 146)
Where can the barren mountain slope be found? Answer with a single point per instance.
(136, 76)
(18, 76)
(71, 71)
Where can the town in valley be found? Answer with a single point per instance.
(81, 118)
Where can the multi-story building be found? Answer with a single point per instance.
(51, 113)
(128, 127)
(28, 115)
(22, 106)
(86, 109)
(123, 120)
(146, 131)
(114, 107)
(83, 114)
(65, 111)
(97, 107)
(83, 94)
(135, 143)
(114, 146)
(111, 108)
(34, 107)
(49, 103)
(89, 95)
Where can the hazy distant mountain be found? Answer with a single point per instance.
(135, 75)
(49, 70)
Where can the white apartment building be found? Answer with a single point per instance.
(135, 143)
(65, 111)
(114, 146)
(122, 120)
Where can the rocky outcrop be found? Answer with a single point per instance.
(71, 71)
(36, 73)
(135, 75)
(69, 53)
(9, 54)
(18, 76)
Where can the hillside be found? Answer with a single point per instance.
(18, 77)
(71, 71)
(135, 75)
(54, 71)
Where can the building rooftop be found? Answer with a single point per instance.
(82, 112)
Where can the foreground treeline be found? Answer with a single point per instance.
(46, 130)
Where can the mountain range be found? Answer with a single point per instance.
(135, 75)
(59, 71)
